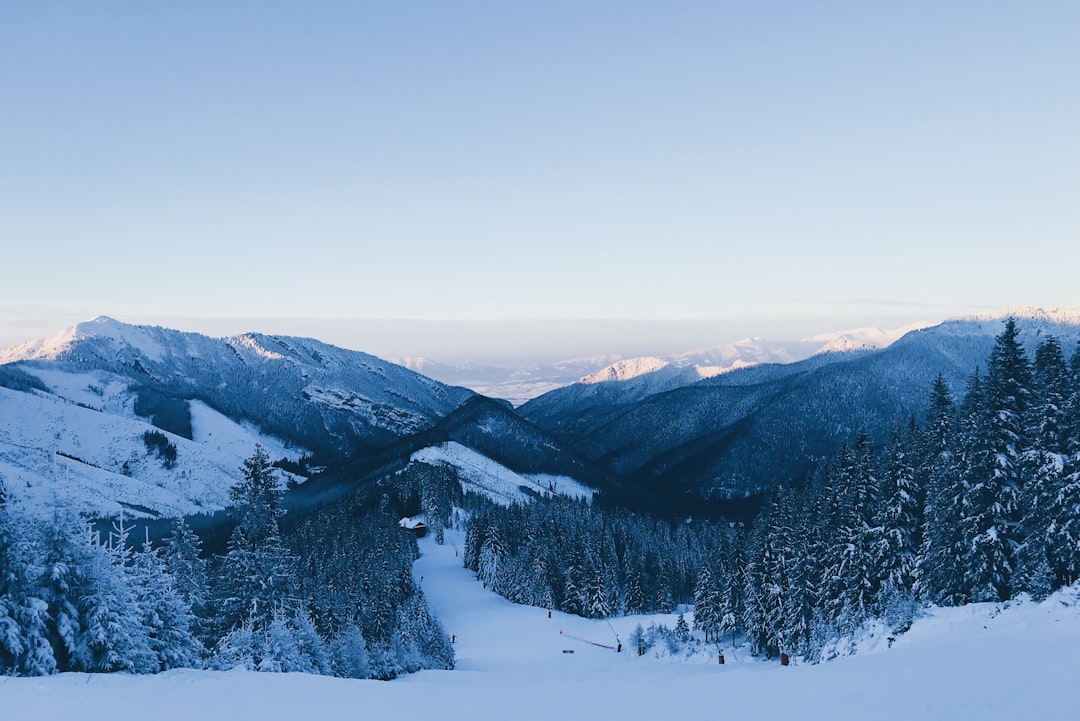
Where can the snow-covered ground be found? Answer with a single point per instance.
(83, 446)
(981, 662)
(482, 475)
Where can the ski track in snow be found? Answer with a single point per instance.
(980, 662)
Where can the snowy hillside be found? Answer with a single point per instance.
(87, 452)
(988, 662)
(482, 475)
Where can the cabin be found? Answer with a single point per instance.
(415, 526)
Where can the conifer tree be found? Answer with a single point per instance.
(707, 604)
(993, 477)
(939, 567)
(899, 523)
(256, 576)
(25, 649)
(1063, 507)
(111, 635)
(165, 612)
(1044, 465)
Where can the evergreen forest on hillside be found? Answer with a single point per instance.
(980, 503)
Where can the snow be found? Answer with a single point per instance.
(236, 440)
(862, 338)
(91, 456)
(252, 343)
(1064, 315)
(984, 661)
(136, 337)
(502, 485)
(625, 370)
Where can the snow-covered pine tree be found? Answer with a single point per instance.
(111, 634)
(492, 554)
(756, 586)
(181, 553)
(256, 577)
(165, 612)
(805, 573)
(993, 477)
(707, 605)
(849, 579)
(682, 629)
(420, 641)
(594, 589)
(60, 585)
(899, 526)
(1063, 509)
(939, 570)
(1043, 468)
(733, 590)
(350, 654)
(25, 649)
(777, 565)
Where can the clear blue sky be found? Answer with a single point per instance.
(770, 167)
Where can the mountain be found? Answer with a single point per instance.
(746, 430)
(77, 410)
(480, 428)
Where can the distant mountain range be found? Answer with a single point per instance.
(746, 430)
(521, 383)
(88, 417)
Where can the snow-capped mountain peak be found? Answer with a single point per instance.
(107, 335)
(628, 369)
(1064, 315)
(861, 338)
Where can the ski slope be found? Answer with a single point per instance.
(482, 475)
(85, 450)
(983, 662)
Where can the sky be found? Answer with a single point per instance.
(448, 178)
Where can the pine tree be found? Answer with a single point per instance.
(111, 635)
(682, 629)
(940, 565)
(899, 524)
(1044, 466)
(707, 604)
(60, 586)
(1063, 508)
(756, 587)
(165, 612)
(492, 555)
(183, 562)
(350, 654)
(778, 562)
(25, 649)
(256, 578)
(849, 579)
(993, 477)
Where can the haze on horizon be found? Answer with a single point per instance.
(473, 180)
